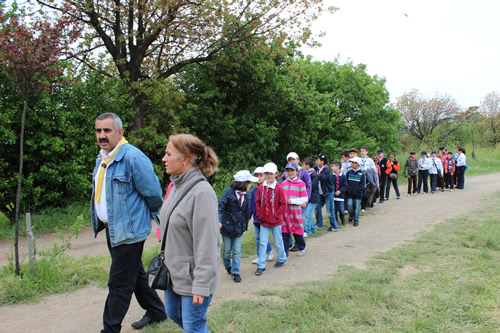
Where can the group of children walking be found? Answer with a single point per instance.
(285, 208)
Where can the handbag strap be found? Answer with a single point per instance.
(175, 206)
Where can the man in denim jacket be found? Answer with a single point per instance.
(125, 197)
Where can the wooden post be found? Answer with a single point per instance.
(31, 243)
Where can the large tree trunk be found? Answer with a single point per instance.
(19, 183)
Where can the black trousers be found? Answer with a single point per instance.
(422, 179)
(394, 183)
(299, 241)
(412, 180)
(383, 184)
(127, 277)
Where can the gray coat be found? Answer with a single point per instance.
(192, 248)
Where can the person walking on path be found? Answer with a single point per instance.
(252, 212)
(126, 196)
(271, 205)
(385, 170)
(410, 171)
(192, 245)
(436, 171)
(309, 227)
(326, 194)
(449, 170)
(424, 164)
(393, 177)
(460, 168)
(233, 220)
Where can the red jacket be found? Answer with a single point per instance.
(271, 205)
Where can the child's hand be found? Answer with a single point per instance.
(220, 225)
(303, 205)
(289, 201)
(338, 193)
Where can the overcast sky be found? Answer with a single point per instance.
(439, 46)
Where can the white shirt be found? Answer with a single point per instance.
(436, 166)
(100, 207)
(367, 163)
(461, 160)
(424, 163)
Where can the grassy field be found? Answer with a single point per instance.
(446, 280)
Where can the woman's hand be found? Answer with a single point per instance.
(197, 299)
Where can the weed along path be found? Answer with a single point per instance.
(381, 229)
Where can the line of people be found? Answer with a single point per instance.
(285, 204)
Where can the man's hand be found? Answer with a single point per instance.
(197, 299)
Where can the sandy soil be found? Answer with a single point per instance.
(383, 228)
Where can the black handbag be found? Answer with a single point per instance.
(158, 274)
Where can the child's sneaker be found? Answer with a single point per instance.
(306, 235)
(279, 264)
(270, 255)
(302, 252)
(255, 261)
(236, 277)
(228, 269)
(260, 271)
(451, 190)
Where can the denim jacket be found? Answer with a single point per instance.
(133, 196)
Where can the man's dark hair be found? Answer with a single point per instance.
(345, 153)
(337, 163)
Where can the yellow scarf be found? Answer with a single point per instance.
(105, 163)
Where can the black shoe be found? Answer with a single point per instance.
(145, 321)
(398, 197)
(280, 263)
(350, 220)
(355, 224)
(228, 269)
(260, 271)
(294, 248)
(236, 277)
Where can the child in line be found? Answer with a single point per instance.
(356, 183)
(377, 191)
(325, 194)
(271, 205)
(411, 166)
(393, 177)
(449, 171)
(424, 164)
(252, 212)
(233, 220)
(296, 199)
(309, 226)
(435, 171)
(339, 186)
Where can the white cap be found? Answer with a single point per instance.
(355, 160)
(292, 155)
(258, 170)
(270, 167)
(244, 176)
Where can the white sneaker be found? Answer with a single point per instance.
(270, 255)
(255, 261)
(302, 252)
(306, 235)
(363, 211)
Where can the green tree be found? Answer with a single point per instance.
(157, 39)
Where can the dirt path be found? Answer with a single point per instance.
(385, 227)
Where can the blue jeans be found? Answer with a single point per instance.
(257, 239)
(232, 244)
(339, 208)
(309, 226)
(278, 244)
(328, 200)
(353, 206)
(422, 179)
(190, 317)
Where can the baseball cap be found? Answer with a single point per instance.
(258, 170)
(380, 151)
(292, 165)
(244, 176)
(433, 152)
(270, 167)
(423, 152)
(292, 155)
(323, 158)
(355, 160)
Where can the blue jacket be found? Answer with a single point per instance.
(325, 179)
(314, 198)
(252, 206)
(342, 185)
(133, 196)
(232, 215)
